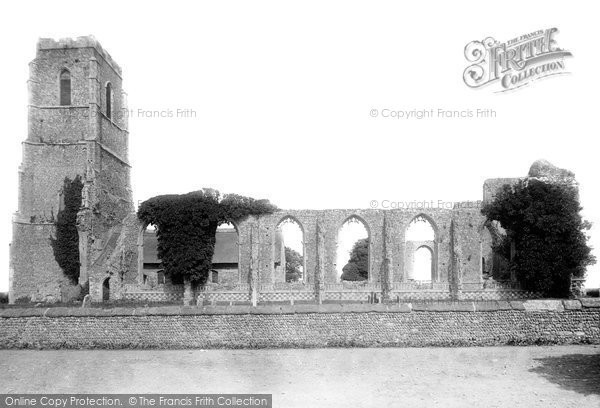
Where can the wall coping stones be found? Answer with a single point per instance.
(159, 311)
(572, 304)
(537, 305)
(546, 305)
(492, 306)
(590, 302)
(444, 307)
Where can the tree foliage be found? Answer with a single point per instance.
(186, 225)
(66, 244)
(357, 268)
(294, 263)
(543, 221)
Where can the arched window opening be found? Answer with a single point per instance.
(160, 277)
(106, 290)
(420, 229)
(109, 100)
(423, 264)
(495, 252)
(151, 264)
(225, 261)
(288, 251)
(487, 253)
(352, 262)
(214, 276)
(420, 250)
(65, 87)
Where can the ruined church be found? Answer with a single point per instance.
(77, 149)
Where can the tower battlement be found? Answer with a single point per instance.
(88, 41)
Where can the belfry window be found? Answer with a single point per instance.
(109, 100)
(65, 87)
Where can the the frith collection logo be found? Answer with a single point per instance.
(515, 63)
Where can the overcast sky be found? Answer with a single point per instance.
(283, 92)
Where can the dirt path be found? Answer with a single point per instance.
(558, 376)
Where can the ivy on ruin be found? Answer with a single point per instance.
(543, 221)
(66, 244)
(186, 225)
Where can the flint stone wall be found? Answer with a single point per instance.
(452, 324)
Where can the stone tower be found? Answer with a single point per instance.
(77, 129)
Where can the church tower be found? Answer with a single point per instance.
(76, 146)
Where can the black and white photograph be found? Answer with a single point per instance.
(299, 204)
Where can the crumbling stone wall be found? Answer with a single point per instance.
(462, 238)
(388, 261)
(331, 221)
(492, 186)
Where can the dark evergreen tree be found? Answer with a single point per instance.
(357, 268)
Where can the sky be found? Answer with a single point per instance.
(280, 96)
